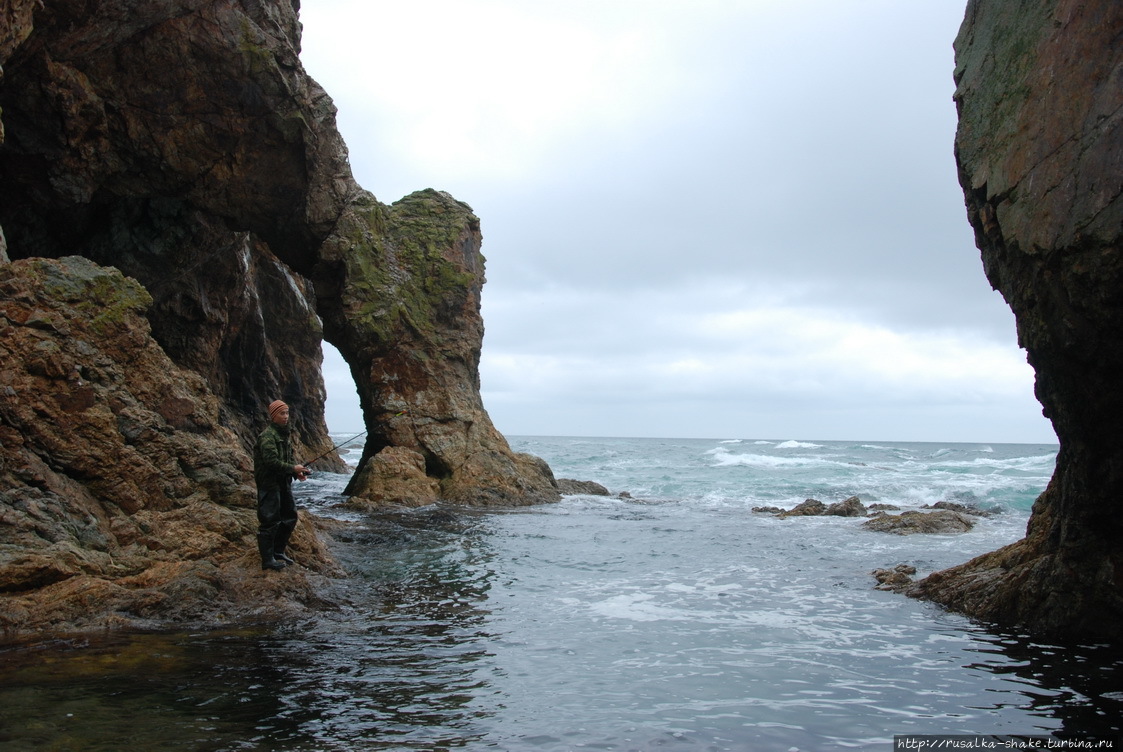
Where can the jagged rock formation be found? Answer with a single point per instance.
(119, 146)
(122, 498)
(1040, 154)
(182, 143)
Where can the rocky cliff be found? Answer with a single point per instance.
(123, 500)
(182, 143)
(1040, 155)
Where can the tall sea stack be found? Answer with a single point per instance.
(180, 230)
(1040, 155)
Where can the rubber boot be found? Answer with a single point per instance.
(265, 548)
(280, 543)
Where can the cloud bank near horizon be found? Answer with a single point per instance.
(702, 219)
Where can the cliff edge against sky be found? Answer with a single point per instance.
(1040, 154)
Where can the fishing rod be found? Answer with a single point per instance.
(343, 443)
(337, 446)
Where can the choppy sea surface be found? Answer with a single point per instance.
(673, 618)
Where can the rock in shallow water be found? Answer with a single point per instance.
(568, 486)
(909, 523)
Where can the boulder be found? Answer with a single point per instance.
(569, 487)
(397, 478)
(807, 508)
(909, 523)
(852, 507)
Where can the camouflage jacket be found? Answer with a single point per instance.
(272, 458)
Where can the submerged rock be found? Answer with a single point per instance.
(872, 508)
(567, 487)
(952, 506)
(897, 579)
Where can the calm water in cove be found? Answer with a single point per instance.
(676, 619)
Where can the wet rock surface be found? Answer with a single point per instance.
(945, 517)
(937, 522)
(896, 580)
(569, 486)
(124, 501)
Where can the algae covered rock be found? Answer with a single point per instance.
(400, 289)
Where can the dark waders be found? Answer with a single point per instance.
(276, 516)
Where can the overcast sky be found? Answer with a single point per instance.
(701, 218)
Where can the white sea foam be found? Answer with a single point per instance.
(798, 445)
(638, 607)
(1042, 462)
(727, 459)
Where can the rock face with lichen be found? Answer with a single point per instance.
(399, 289)
(183, 144)
(1040, 154)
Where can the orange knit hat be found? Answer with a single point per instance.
(275, 407)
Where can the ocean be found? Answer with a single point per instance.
(665, 616)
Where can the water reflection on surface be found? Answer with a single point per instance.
(598, 626)
(397, 669)
(1078, 687)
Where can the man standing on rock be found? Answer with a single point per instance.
(273, 471)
